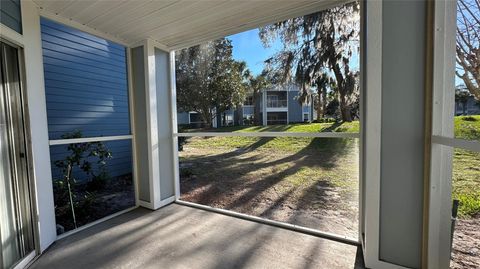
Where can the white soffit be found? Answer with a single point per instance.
(176, 23)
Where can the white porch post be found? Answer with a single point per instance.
(155, 122)
(152, 123)
(264, 114)
(35, 89)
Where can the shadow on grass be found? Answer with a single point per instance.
(233, 180)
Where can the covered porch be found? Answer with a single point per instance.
(405, 136)
(179, 236)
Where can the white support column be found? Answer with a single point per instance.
(173, 107)
(264, 113)
(152, 123)
(372, 138)
(161, 123)
(439, 224)
(35, 88)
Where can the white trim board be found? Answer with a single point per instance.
(35, 89)
(173, 109)
(88, 225)
(471, 145)
(373, 108)
(25, 261)
(11, 36)
(440, 189)
(269, 134)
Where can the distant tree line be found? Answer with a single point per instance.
(209, 80)
(318, 54)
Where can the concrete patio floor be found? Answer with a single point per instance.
(179, 236)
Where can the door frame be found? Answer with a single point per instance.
(28, 154)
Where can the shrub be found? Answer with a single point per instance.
(469, 118)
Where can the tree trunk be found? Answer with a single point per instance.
(321, 106)
(207, 118)
(324, 104)
(256, 108)
(320, 111)
(345, 109)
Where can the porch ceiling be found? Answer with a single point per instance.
(177, 23)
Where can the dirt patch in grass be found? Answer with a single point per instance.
(466, 244)
(308, 182)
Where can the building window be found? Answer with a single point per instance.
(306, 117)
(248, 101)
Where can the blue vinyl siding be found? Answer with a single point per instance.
(86, 90)
(11, 15)
(294, 108)
(183, 117)
(119, 164)
(248, 110)
(85, 83)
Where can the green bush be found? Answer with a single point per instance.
(469, 205)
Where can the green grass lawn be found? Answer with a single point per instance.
(288, 144)
(312, 182)
(466, 168)
(466, 165)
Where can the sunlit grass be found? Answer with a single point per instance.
(466, 172)
(466, 167)
(284, 144)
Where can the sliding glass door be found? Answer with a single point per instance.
(16, 229)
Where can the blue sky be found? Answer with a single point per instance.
(248, 47)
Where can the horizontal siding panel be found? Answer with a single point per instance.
(10, 21)
(52, 113)
(89, 133)
(68, 39)
(119, 73)
(82, 107)
(62, 44)
(81, 94)
(86, 101)
(80, 54)
(120, 163)
(10, 15)
(106, 75)
(71, 73)
(85, 83)
(11, 8)
(72, 127)
(81, 121)
(79, 33)
(86, 90)
(75, 59)
(68, 85)
(248, 110)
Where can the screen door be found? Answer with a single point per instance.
(16, 229)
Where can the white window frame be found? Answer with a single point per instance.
(443, 140)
